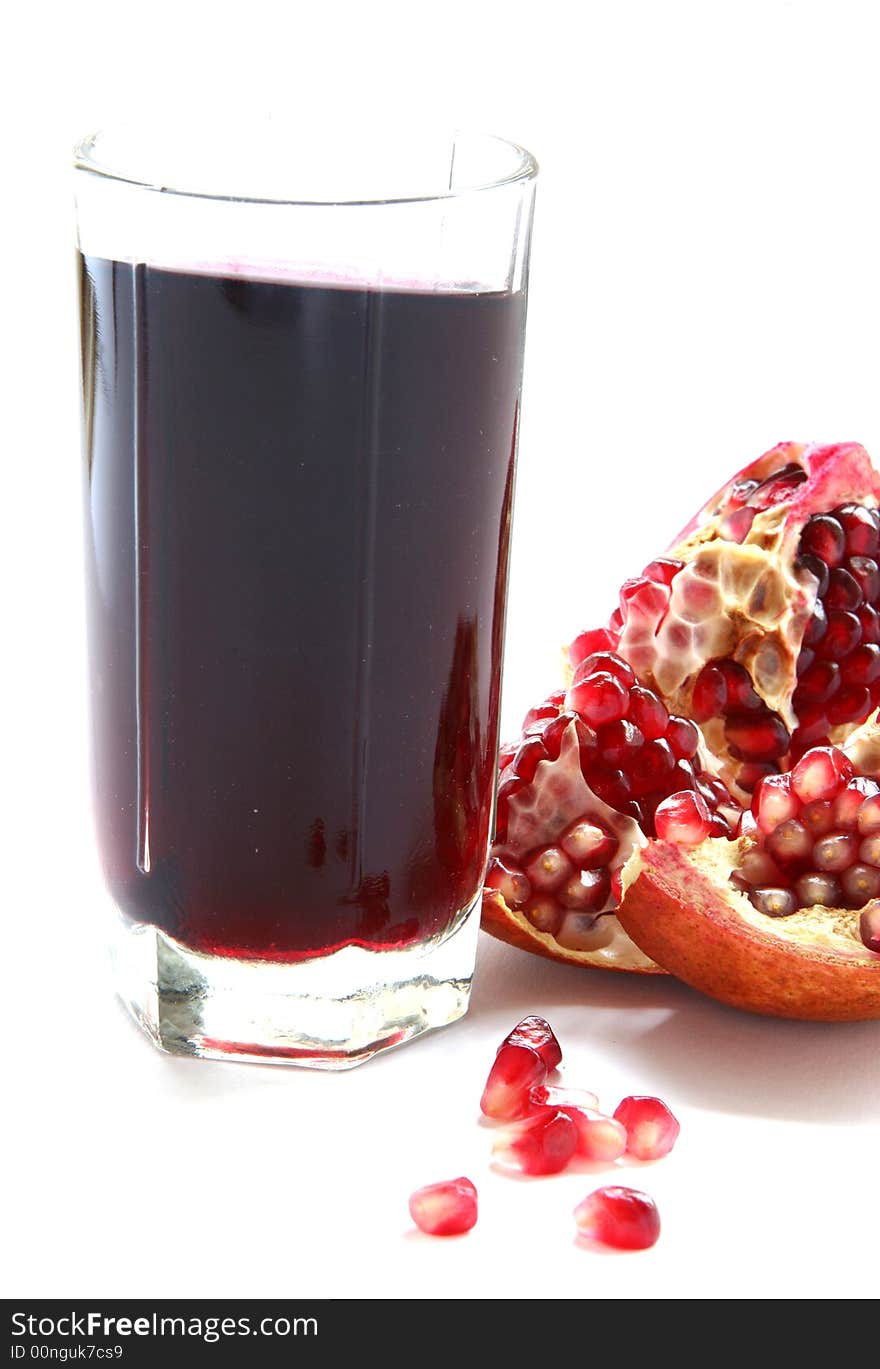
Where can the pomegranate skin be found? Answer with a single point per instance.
(682, 913)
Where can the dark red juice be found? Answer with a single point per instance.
(297, 518)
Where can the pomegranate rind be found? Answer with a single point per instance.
(811, 966)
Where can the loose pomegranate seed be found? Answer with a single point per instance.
(683, 819)
(586, 643)
(818, 888)
(610, 663)
(445, 1209)
(510, 882)
(546, 1095)
(515, 1071)
(820, 773)
(589, 844)
(536, 1033)
(600, 699)
(647, 712)
(773, 802)
(549, 868)
(790, 842)
(869, 926)
(542, 1144)
(683, 737)
(619, 1217)
(757, 736)
(599, 1138)
(774, 902)
(859, 528)
(834, 852)
(651, 1129)
(824, 538)
(709, 697)
(859, 884)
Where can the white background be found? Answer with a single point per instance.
(705, 283)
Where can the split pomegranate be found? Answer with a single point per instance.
(445, 1209)
(620, 1217)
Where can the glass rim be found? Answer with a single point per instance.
(86, 159)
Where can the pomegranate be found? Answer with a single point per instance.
(781, 920)
(445, 1209)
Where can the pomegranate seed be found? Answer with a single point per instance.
(545, 914)
(595, 639)
(445, 1209)
(844, 632)
(758, 867)
(850, 705)
(779, 486)
(790, 842)
(866, 574)
(736, 526)
(619, 1217)
(859, 528)
(805, 660)
(752, 772)
(869, 621)
(818, 817)
(599, 1138)
(539, 714)
(683, 737)
(863, 664)
(869, 926)
(709, 697)
(773, 802)
(609, 784)
(741, 695)
(824, 538)
(869, 849)
(869, 816)
(650, 767)
(557, 698)
(847, 805)
(515, 1071)
(617, 740)
(820, 773)
(525, 762)
(818, 888)
(542, 1144)
(843, 590)
(549, 1096)
(509, 881)
(662, 571)
(812, 725)
(642, 599)
(647, 712)
(548, 868)
(757, 737)
(586, 892)
(819, 683)
(610, 663)
(817, 569)
(600, 699)
(817, 626)
(683, 819)
(683, 776)
(589, 844)
(506, 791)
(835, 852)
(555, 729)
(536, 1033)
(859, 884)
(651, 1129)
(774, 902)
(741, 491)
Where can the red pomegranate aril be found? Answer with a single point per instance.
(589, 844)
(850, 705)
(709, 697)
(869, 621)
(736, 525)
(805, 660)
(622, 1218)
(820, 773)
(869, 926)
(778, 486)
(610, 663)
(812, 728)
(752, 772)
(600, 699)
(651, 1129)
(514, 784)
(526, 760)
(859, 884)
(554, 730)
(609, 784)
(509, 881)
(859, 529)
(549, 1095)
(599, 1138)
(866, 573)
(662, 571)
(848, 803)
(683, 776)
(683, 737)
(824, 538)
(819, 682)
(545, 913)
(869, 817)
(758, 868)
(536, 1033)
(650, 767)
(790, 842)
(586, 643)
(818, 887)
(548, 869)
(542, 1144)
(506, 754)
(775, 902)
(540, 714)
(843, 634)
(817, 569)
(843, 590)
(515, 1072)
(445, 1209)
(835, 852)
(818, 817)
(617, 741)
(741, 696)
(773, 802)
(817, 627)
(683, 819)
(869, 849)
(862, 666)
(647, 712)
(586, 891)
(741, 491)
(756, 736)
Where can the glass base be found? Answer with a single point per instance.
(332, 1012)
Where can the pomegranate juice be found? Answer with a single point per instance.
(297, 517)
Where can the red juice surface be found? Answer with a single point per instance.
(297, 524)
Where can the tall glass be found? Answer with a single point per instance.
(301, 381)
